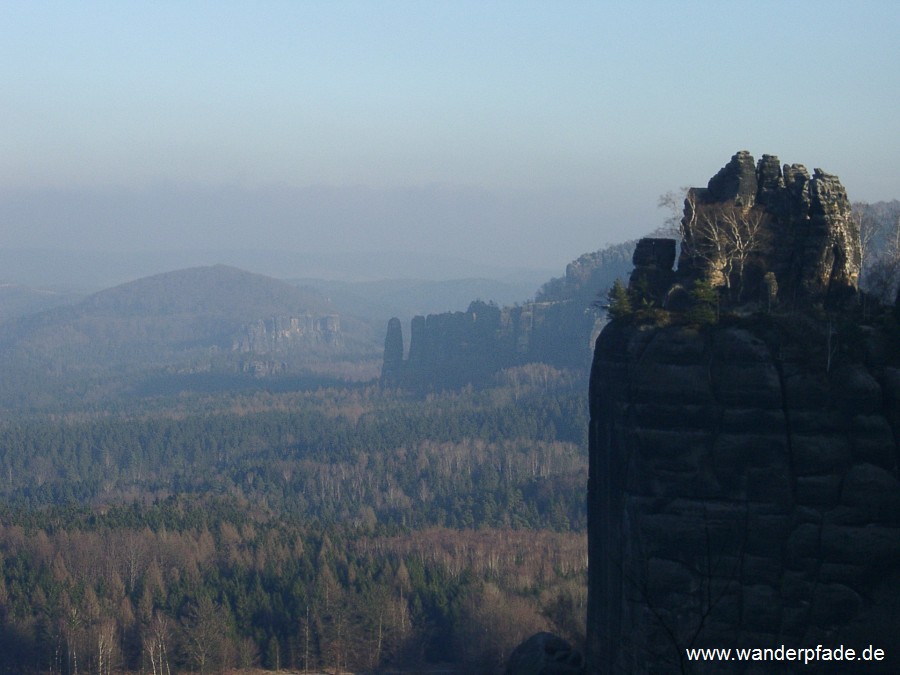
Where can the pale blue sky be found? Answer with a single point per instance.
(522, 132)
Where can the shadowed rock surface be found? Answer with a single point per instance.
(738, 496)
(545, 654)
(453, 349)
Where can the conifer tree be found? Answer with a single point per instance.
(704, 307)
(618, 302)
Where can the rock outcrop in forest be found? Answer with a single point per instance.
(283, 333)
(457, 348)
(743, 485)
(558, 328)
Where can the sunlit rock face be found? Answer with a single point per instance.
(743, 487)
(280, 334)
(807, 240)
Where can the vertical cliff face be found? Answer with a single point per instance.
(458, 348)
(393, 354)
(744, 487)
(454, 349)
(738, 497)
(283, 333)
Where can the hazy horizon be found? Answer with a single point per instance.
(515, 135)
(87, 271)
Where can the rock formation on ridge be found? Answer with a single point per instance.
(744, 488)
(752, 220)
(393, 354)
(453, 349)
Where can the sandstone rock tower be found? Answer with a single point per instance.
(752, 220)
(744, 487)
(393, 354)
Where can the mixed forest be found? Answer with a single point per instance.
(339, 528)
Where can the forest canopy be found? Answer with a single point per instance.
(343, 528)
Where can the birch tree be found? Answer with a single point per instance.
(725, 237)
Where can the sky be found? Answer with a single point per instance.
(514, 134)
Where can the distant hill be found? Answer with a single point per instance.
(218, 290)
(206, 319)
(89, 271)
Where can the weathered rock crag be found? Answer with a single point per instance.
(557, 328)
(796, 227)
(457, 348)
(280, 334)
(744, 487)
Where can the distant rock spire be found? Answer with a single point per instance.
(393, 354)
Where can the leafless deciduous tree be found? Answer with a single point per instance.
(71, 629)
(868, 227)
(204, 635)
(879, 234)
(672, 202)
(883, 274)
(156, 643)
(725, 237)
(106, 642)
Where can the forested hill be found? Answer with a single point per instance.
(202, 320)
(217, 290)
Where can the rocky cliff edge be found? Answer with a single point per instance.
(743, 487)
